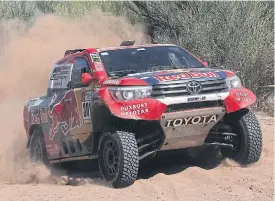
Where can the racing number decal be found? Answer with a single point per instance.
(86, 108)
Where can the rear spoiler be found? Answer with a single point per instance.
(67, 52)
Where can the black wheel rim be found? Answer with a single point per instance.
(236, 141)
(110, 157)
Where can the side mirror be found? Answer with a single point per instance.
(205, 63)
(86, 78)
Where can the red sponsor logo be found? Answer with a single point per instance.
(64, 115)
(185, 75)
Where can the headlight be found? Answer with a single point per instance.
(233, 82)
(129, 93)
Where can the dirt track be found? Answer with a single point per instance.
(175, 181)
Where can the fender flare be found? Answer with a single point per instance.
(238, 99)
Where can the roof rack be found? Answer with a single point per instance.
(73, 51)
(127, 43)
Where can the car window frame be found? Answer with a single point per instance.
(90, 70)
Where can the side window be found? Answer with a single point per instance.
(60, 78)
(81, 66)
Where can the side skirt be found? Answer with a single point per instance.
(88, 157)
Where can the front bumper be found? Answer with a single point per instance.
(181, 134)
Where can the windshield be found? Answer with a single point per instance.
(136, 60)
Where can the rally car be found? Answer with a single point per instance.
(123, 104)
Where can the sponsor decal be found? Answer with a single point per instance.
(185, 75)
(35, 117)
(135, 109)
(60, 73)
(242, 96)
(58, 83)
(86, 106)
(115, 82)
(64, 115)
(60, 77)
(44, 115)
(99, 66)
(88, 96)
(52, 149)
(39, 116)
(198, 98)
(191, 121)
(95, 57)
(34, 102)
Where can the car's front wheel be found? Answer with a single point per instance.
(248, 146)
(118, 158)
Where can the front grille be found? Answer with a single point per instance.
(178, 88)
(194, 105)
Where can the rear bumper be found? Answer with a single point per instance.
(189, 128)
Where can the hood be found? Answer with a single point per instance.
(152, 78)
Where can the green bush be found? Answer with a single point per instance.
(231, 35)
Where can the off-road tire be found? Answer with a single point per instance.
(245, 124)
(37, 145)
(127, 160)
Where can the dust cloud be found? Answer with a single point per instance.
(27, 56)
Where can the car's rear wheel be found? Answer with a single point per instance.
(118, 158)
(248, 146)
(37, 147)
